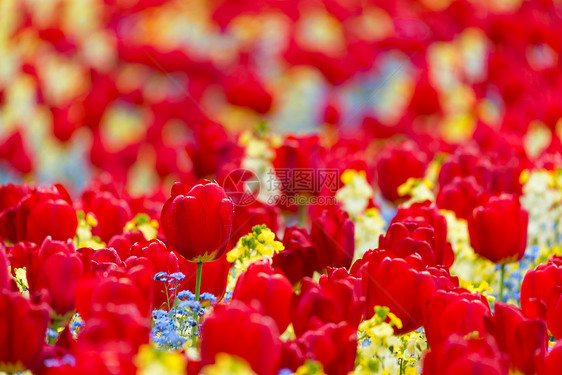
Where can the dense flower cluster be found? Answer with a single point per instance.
(281, 187)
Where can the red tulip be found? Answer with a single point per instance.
(40, 213)
(156, 256)
(212, 148)
(332, 235)
(554, 311)
(22, 332)
(10, 195)
(465, 355)
(454, 312)
(299, 258)
(425, 98)
(111, 213)
(244, 88)
(268, 286)
(403, 243)
(523, 339)
(332, 300)
(461, 196)
(109, 342)
(553, 361)
(498, 229)
(297, 155)
(426, 214)
(536, 287)
(133, 289)
(59, 274)
(15, 152)
(198, 222)
(396, 284)
(333, 345)
(239, 330)
(396, 164)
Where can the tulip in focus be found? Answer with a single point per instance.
(198, 223)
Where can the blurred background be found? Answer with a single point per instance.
(139, 89)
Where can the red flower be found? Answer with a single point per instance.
(332, 300)
(111, 212)
(498, 229)
(133, 289)
(403, 243)
(396, 164)
(461, 196)
(299, 258)
(554, 311)
(523, 339)
(396, 284)
(425, 98)
(39, 213)
(426, 214)
(333, 345)
(296, 153)
(59, 272)
(109, 342)
(5, 278)
(268, 286)
(198, 222)
(156, 256)
(553, 361)
(10, 195)
(22, 332)
(212, 148)
(14, 151)
(244, 88)
(239, 330)
(454, 312)
(536, 288)
(332, 235)
(465, 355)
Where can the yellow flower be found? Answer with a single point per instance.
(155, 362)
(226, 364)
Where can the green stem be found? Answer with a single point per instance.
(198, 284)
(502, 277)
(302, 215)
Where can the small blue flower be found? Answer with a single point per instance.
(178, 276)
(161, 276)
(209, 297)
(186, 295)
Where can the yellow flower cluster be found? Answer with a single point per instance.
(259, 244)
(147, 226)
(226, 364)
(310, 367)
(381, 352)
(419, 190)
(21, 281)
(468, 265)
(355, 193)
(156, 362)
(355, 196)
(84, 237)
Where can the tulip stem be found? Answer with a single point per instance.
(198, 283)
(502, 277)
